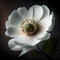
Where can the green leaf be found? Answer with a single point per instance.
(33, 54)
(49, 46)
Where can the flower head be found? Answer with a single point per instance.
(28, 27)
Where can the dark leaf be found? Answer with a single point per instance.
(49, 45)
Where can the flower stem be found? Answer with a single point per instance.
(41, 51)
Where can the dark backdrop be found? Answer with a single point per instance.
(7, 6)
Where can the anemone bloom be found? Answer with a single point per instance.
(28, 27)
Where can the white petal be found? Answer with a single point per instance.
(15, 18)
(34, 42)
(37, 12)
(13, 46)
(21, 41)
(19, 10)
(46, 23)
(11, 43)
(25, 50)
(24, 13)
(12, 31)
(27, 41)
(16, 48)
(46, 11)
(8, 24)
(52, 24)
(45, 36)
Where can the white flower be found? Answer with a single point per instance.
(28, 27)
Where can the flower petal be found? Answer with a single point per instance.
(46, 23)
(15, 18)
(28, 42)
(46, 11)
(8, 24)
(37, 12)
(34, 42)
(14, 46)
(12, 31)
(18, 41)
(45, 36)
(24, 13)
(25, 50)
(25, 41)
(52, 24)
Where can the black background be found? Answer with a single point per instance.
(7, 6)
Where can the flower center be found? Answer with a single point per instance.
(29, 27)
